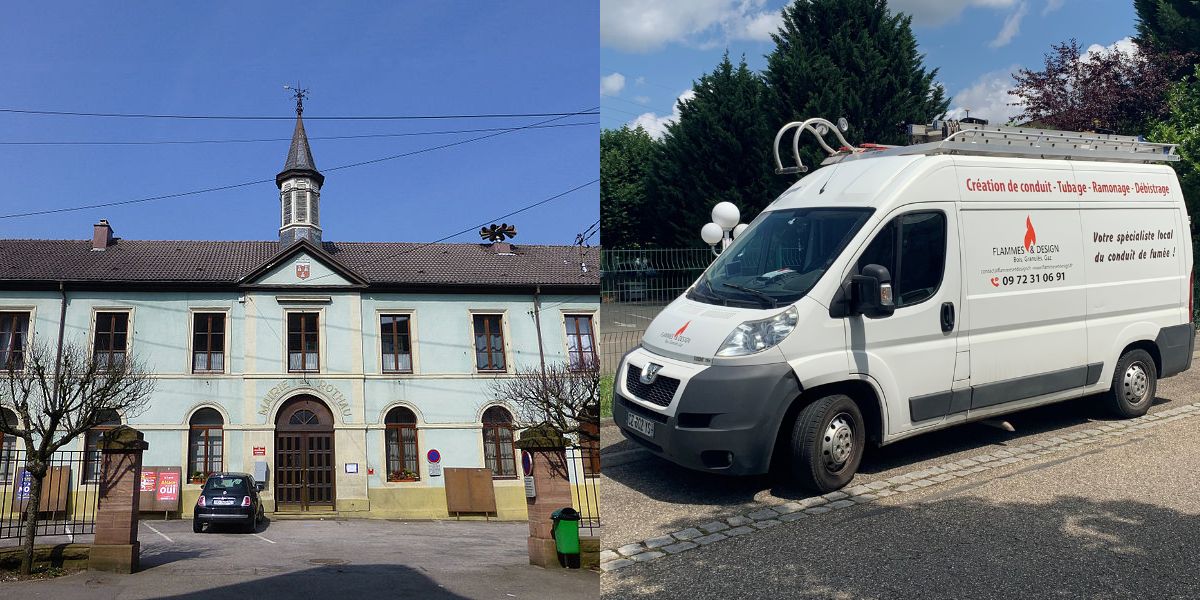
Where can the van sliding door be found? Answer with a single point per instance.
(1025, 300)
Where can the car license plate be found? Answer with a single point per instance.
(223, 501)
(640, 424)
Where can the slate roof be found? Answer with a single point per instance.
(299, 158)
(227, 262)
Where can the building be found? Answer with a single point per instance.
(332, 367)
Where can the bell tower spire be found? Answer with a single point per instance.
(299, 183)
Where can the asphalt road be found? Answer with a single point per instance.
(358, 558)
(1115, 519)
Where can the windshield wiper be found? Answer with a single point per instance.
(767, 297)
(710, 294)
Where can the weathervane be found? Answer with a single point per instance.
(497, 233)
(299, 94)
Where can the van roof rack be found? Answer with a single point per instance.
(980, 139)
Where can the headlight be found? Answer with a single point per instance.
(756, 336)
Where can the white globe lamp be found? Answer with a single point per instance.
(739, 229)
(726, 215)
(711, 233)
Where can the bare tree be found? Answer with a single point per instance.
(563, 396)
(58, 396)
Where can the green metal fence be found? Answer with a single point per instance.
(650, 276)
(634, 286)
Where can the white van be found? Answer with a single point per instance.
(903, 290)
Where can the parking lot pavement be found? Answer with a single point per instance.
(616, 316)
(651, 499)
(1114, 518)
(327, 559)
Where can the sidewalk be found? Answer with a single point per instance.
(1117, 518)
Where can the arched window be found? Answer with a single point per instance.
(92, 463)
(206, 442)
(8, 448)
(498, 452)
(402, 451)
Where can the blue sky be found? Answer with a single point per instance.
(232, 58)
(652, 50)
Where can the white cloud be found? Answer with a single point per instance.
(1052, 5)
(655, 125)
(933, 13)
(647, 25)
(612, 84)
(987, 98)
(642, 99)
(641, 80)
(1011, 27)
(1124, 45)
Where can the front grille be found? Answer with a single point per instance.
(660, 392)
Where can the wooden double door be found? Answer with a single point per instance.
(304, 456)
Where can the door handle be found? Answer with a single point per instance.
(947, 316)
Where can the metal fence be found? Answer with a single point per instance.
(583, 464)
(650, 276)
(634, 286)
(63, 510)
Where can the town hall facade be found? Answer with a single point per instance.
(334, 368)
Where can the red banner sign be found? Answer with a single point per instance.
(260, 450)
(168, 486)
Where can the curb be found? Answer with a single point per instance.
(614, 559)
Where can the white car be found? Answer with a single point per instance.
(904, 290)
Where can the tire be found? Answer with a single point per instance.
(1134, 384)
(827, 443)
(197, 526)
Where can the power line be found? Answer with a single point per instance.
(289, 117)
(632, 114)
(487, 222)
(645, 107)
(502, 217)
(270, 180)
(252, 140)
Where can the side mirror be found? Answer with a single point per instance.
(260, 485)
(871, 292)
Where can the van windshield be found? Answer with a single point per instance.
(780, 257)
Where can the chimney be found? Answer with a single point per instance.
(502, 247)
(102, 235)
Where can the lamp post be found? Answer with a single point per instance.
(724, 227)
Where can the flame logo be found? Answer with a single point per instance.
(682, 329)
(1030, 234)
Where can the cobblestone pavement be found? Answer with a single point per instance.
(735, 514)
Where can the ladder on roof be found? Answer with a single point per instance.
(993, 140)
(954, 137)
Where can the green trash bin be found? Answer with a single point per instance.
(565, 529)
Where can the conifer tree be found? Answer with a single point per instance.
(718, 150)
(1168, 26)
(853, 59)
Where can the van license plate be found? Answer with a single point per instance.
(640, 424)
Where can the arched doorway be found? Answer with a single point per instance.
(304, 466)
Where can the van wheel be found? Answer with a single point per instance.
(1134, 384)
(827, 443)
